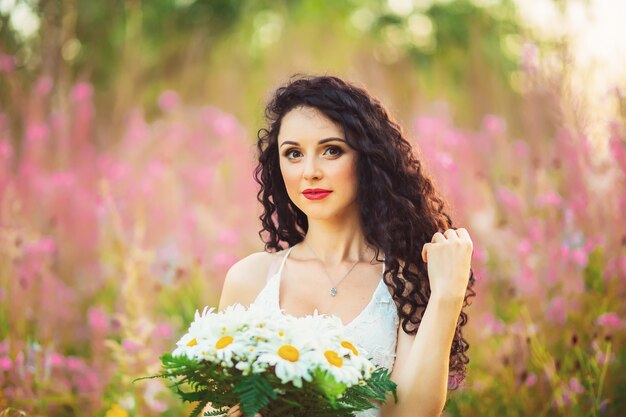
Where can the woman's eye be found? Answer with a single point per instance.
(331, 150)
(290, 152)
(336, 151)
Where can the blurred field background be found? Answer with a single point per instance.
(127, 134)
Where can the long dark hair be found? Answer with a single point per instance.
(398, 205)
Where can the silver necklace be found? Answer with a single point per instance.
(333, 290)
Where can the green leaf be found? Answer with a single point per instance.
(254, 392)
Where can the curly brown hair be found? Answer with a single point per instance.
(398, 205)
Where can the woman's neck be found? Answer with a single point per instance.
(337, 242)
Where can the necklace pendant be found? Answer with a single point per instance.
(333, 291)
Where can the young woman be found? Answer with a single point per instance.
(367, 239)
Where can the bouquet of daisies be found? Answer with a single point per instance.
(273, 364)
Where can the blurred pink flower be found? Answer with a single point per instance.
(557, 312)
(228, 237)
(43, 246)
(494, 125)
(452, 138)
(98, 319)
(548, 199)
(575, 386)
(225, 125)
(44, 85)
(5, 363)
(492, 325)
(429, 126)
(446, 161)
(56, 360)
(531, 380)
(6, 150)
(168, 100)
(524, 247)
(508, 199)
(529, 57)
(162, 330)
(82, 92)
(7, 63)
(534, 228)
(601, 357)
(223, 260)
(579, 257)
(520, 149)
(618, 151)
(74, 364)
(593, 242)
(131, 346)
(479, 254)
(153, 388)
(609, 320)
(36, 132)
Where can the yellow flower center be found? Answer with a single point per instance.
(350, 346)
(223, 342)
(333, 358)
(281, 333)
(192, 342)
(288, 353)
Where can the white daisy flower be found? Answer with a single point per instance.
(357, 356)
(340, 367)
(291, 363)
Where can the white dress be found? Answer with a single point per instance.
(375, 329)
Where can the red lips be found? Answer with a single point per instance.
(316, 193)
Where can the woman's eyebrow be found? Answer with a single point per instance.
(322, 141)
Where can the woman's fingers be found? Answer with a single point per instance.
(438, 237)
(424, 252)
(464, 235)
(234, 412)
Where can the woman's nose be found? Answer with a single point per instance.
(311, 168)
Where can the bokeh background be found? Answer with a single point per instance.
(127, 144)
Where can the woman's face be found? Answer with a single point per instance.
(314, 154)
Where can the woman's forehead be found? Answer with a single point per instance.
(307, 124)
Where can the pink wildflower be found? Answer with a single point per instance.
(575, 386)
(7, 63)
(508, 199)
(494, 125)
(549, 199)
(557, 312)
(531, 380)
(36, 132)
(168, 100)
(5, 363)
(579, 256)
(98, 320)
(225, 125)
(445, 161)
(131, 346)
(82, 92)
(609, 320)
(43, 85)
(162, 330)
(529, 57)
(524, 248)
(228, 237)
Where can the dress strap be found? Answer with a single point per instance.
(283, 261)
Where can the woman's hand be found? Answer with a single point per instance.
(232, 411)
(236, 412)
(449, 256)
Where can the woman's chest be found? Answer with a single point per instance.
(300, 296)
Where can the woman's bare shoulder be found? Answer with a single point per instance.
(245, 279)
